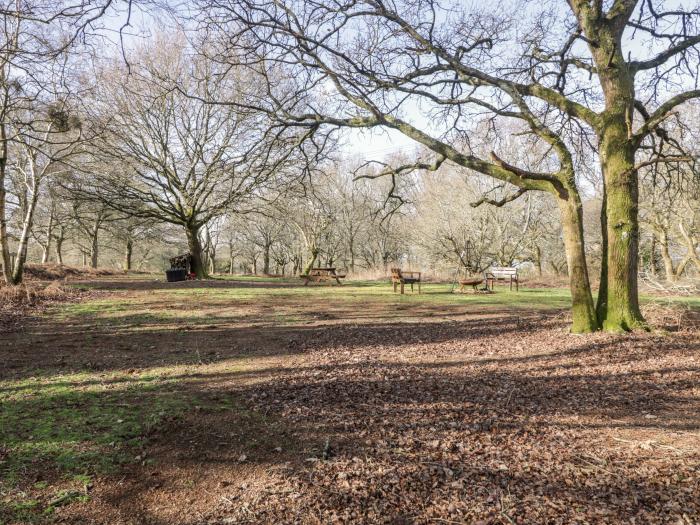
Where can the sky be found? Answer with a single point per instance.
(371, 144)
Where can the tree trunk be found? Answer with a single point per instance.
(618, 303)
(619, 310)
(583, 312)
(94, 247)
(4, 239)
(212, 261)
(670, 271)
(266, 259)
(538, 260)
(312, 261)
(652, 255)
(18, 270)
(128, 254)
(49, 234)
(59, 246)
(351, 249)
(195, 247)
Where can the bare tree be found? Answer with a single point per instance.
(565, 73)
(172, 157)
(35, 40)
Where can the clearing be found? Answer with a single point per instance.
(264, 401)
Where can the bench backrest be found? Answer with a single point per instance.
(502, 272)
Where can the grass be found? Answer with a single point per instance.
(68, 428)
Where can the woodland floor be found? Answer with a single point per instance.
(263, 401)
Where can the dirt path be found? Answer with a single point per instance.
(308, 407)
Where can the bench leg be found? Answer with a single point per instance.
(411, 287)
(418, 287)
(402, 284)
(394, 286)
(517, 288)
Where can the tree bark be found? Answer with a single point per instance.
(619, 309)
(583, 312)
(49, 235)
(312, 261)
(94, 245)
(652, 255)
(266, 259)
(18, 270)
(129, 250)
(59, 246)
(618, 297)
(4, 239)
(195, 247)
(669, 270)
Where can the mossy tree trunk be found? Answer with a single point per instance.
(618, 297)
(584, 317)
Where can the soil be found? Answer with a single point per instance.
(378, 413)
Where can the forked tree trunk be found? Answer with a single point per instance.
(195, 247)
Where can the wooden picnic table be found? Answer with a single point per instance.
(322, 274)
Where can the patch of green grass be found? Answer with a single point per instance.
(70, 428)
(80, 424)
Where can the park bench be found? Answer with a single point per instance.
(498, 273)
(318, 275)
(399, 277)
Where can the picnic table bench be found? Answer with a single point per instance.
(318, 275)
(502, 273)
(401, 278)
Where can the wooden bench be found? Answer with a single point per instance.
(318, 275)
(498, 273)
(399, 277)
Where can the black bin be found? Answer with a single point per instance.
(176, 274)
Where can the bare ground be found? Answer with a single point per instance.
(371, 411)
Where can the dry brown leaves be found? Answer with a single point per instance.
(527, 425)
